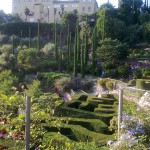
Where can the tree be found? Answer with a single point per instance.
(7, 18)
(69, 18)
(26, 12)
(29, 59)
(130, 10)
(111, 53)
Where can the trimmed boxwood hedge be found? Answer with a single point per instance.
(86, 106)
(95, 125)
(106, 106)
(104, 111)
(76, 113)
(143, 84)
(73, 104)
(78, 133)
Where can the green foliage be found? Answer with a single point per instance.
(145, 72)
(137, 74)
(69, 18)
(17, 26)
(7, 80)
(4, 39)
(147, 27)
(109, 85)
(63, 84)
(106, 83)
(143, 84)
(132, 82)
(123, 70)
(6, 57)
(48, 50)
(111, 52)
(108, 25)
(29, 59)
(34, 89)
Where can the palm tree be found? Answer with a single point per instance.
(26, 11)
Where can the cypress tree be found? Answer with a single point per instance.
(29, 37)
(21, 40)
(86, 45)
(38, 37)
(103, 29)
(70, 47)
(55, 41)
(68, 62)
(78, 42)
(82, 61)
(94, 43)
(75, 55)
(60, 54)
(13, 45)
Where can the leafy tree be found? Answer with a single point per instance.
(144, 17)
(29, 59)
(7, 18)
(130, 10)
(108, 24)
(111, 53)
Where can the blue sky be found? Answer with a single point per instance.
(6, 5)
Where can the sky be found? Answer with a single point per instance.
(6, 5)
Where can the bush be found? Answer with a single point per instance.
(123, 70)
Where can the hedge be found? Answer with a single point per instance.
(64, 111)
(95, 125)
(79, 133)
(104, 111)
(73, 104)
(15, 28)
(86, 106)
(143, 84)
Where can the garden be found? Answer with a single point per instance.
(72, 73)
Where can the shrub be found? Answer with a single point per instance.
(123, 70)
(137, 74)
(63, 84)
(34, 89)
(102, 82)
(48, 49)
(7, 80)
(29, 59)
(145, 72)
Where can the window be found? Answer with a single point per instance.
(83, 1)
(89, 1)
(83, 9)
(89, 9)
(14, 1)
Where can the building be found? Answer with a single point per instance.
(47, 10)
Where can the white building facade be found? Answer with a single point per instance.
(47, 10)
